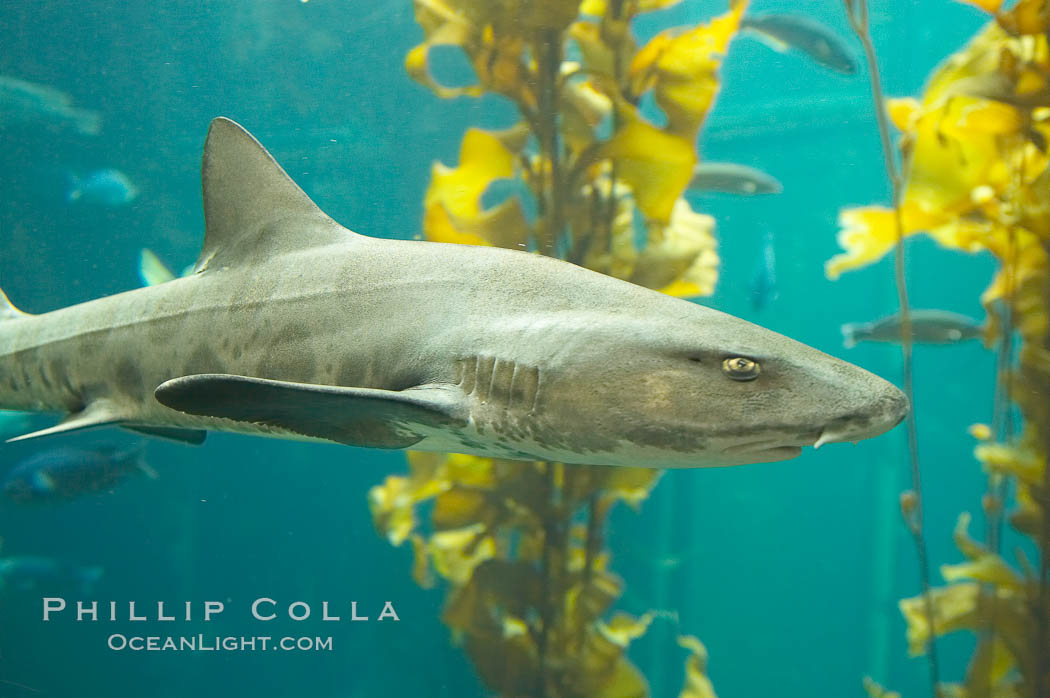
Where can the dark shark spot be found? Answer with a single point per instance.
(347, 374)
(202, 360)
(129, 378)
(90, 346)
(162, 330)
(290, 355)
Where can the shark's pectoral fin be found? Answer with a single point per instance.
(194, 437)
(354, 416)
(97, 414)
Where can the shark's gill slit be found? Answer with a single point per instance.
(483, 381)
(468, 369)
(508, 382)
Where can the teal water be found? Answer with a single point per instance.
(789, 572)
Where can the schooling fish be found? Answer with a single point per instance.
(293, 326)
(731, 178)
(110, 188)
(927, 327)
(764, 281)
(67, 473)
(783, 32)
(26, 103)
(26, 572)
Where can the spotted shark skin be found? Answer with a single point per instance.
(295, 327)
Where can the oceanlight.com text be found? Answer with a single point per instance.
(215, 643)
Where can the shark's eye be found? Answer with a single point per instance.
(740, 369)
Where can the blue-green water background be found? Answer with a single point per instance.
(788, 571)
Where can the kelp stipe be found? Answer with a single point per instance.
(979, 180)
(520, 545)
(911, 502)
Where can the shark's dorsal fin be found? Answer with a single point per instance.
(252, 208)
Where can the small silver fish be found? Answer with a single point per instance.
(783, 32)
(26, 103)
(927, 327)
(731, 178)
(764, 281)
(108, 187)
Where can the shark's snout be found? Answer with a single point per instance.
(882, 411)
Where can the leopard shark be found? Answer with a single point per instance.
(292, 326)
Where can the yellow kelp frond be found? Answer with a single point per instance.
(623, 628)
(599, 55)
(867, 234)
(456, 553)
(606, 671)
(443, 25)
(617, 483)
(421, 571)
(987, 568)
(631, 485)
(697, 685)
(874, 690)
(990, 6)
(955, 608)
(681, 257)
(980, 431)
(966, 606)
(597, 8)
(439, 226)
(903, 112)
(393, 505)
(967, 144)
(1028, 17)
(483, 158)
(682, 70)
(452, 205)
(984, 566)
(1020, 463)
(493, 37)
(991, 667)
(611, 247)
(503, 226)
(967, 545)
(584, 110)
(657, 164)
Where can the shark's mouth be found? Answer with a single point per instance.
(778, 447)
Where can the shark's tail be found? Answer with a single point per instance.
(849, 335)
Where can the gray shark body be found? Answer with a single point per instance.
(293, 326)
